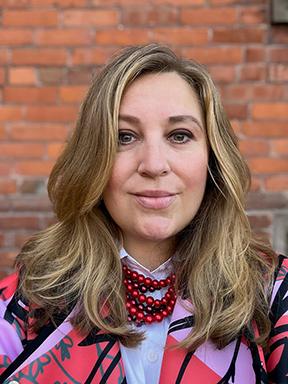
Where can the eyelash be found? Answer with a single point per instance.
(189, 136)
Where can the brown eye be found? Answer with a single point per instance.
(180, 137)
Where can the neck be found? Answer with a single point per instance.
(149, 254)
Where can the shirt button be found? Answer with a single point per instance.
(152, 356)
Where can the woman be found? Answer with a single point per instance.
(151, 273)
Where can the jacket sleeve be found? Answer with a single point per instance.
(277, 358)
(10, 327)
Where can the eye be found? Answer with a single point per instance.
(180, 137)
(125, 138)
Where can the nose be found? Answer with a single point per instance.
(154, 161)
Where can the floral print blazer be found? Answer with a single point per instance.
(59, 355)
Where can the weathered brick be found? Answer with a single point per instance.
(255, 54)
(150, 15)
(277, 183)
(266, 165)
(51, 113)
(89, 56)
(80, 75)
(36, 132)
(54, 150)
(73, 94)
(276, 111)
(280, 147)
(236, 110)
(208, 16)
(253, 15)
(214, 55)
(16, 221)
(33, 18)
(256, 184)
(239, 35)
(43, 56)
(222, 73)
(237, 92)
(17, 150)
(265, 129)
(52, 75)
(13, 37)
(278, 72)
(22, 76)
(253, 72)
(34, 168)
(5, 168)
(2, 75)
(254, 148)
(279, 35)
(82, 18)
(278, 54)
(30, 95)
(10, 113)
(261, 200)
(29, 186)
(7, 186)
(260, 221)
(122, 36)
(4, 56)
(63, 37)
(3, 132)
(268, 92)
(181, 36)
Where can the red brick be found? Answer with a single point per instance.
(39, 18)
(2, 240)
(72, 94)
(254, 148)
(5, 169)
(275, 111)
(150, 15)
(253, 72)
(279, 35)
(34, 168)
(236, 111)
(268, 92)
(22, 76)
(266, 165)
(17, 150)
(63, 37)
(33, 186)
(22, 238)
(260, 221)
(36, 132)
(7, 186)
(29, 95)
(2, 75)
(3, 133)
(237, 2)
(18, 222)
(236, 125)
(180, 36)
(10, 113)
(53, 113)
(122, 36)
(222, 73)
(255, 54)
(80, 75)
(277, 183)
(88, 56)
(265, 129)
(215, 55)
(84, 18)
(180, 2)
(15, 37)
(52, 75)
(54, 150)
(208, 16)
(4, 56)
(237, 92)
(280, 147)
(237, 35)
(253, 15)
(144, 2)
(278, 72)
(7, 260)
(58, 3)
(43, 56)
(278, 54)
(256, 184)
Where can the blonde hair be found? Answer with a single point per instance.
(219, 266)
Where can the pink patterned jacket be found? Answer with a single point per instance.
(61, 356)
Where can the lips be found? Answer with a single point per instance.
(155, 199)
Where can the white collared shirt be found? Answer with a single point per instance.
(142, 364)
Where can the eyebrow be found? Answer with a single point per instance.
(172, 119)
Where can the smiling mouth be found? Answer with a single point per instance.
(155, 202)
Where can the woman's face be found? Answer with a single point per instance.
(159, 176)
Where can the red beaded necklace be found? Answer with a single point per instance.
(144, 309)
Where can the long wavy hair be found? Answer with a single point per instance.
(220, 267)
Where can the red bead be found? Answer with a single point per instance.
(142, 298)
(158, 317)
(155, 284)
(170, 290)
(141, 279)
(129, 287)
(133, 311)
(149, 309)
(134, 275)
(162, 283)
(140, 316)
(148, 281)
(135, 293)
(157, 303)
(149, 300)
(143, 289)
(151, 289)
(133, 302)
(164, 313)
(164, 301)
(141, 307)
(168, 280)
(128, 272)
(167, 296)
(136, 285)
(125, 281)
(169, 309)
(125, 268)
(148, 319)
(172, 302)
(128, 305)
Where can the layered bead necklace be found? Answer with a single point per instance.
(143, 308)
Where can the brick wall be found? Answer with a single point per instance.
(50, 48)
